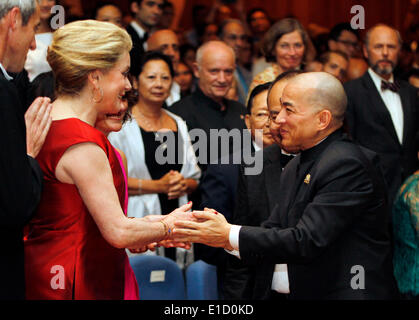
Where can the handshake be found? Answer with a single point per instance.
(185, 227)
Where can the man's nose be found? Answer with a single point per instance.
(33, 44)
(221, 76)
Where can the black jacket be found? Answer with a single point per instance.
(21, 179)
(331, 216)
(370, 124)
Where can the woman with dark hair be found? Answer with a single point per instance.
(156, 184)
(285, 46)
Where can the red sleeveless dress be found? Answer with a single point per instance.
(66, 257)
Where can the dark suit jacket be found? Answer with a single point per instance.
(201, 112)
(21, 179)
(136, 52)
(323, 227)
(257, 196)
(370, 124)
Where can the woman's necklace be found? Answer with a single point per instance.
(151, 128)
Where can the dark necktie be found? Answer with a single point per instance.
(285, 159)
(145, 37)
(393, 86)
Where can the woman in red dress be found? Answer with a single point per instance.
(76, 240)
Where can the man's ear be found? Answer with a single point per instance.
(324, 119)
(134, 7)
(14, 18)
(247, 121)
(365, 51)
(331, 44)
(196, 70)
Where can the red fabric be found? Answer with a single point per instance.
(63, 236)
(131, 285)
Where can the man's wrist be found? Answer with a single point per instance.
(227, 244)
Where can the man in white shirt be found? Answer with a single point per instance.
(382, 112)
(147, 14)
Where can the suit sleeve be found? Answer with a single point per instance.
(20, 175)
(350, 114)
(215, 189)
(344, 191)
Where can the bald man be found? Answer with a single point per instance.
(167, 42)
(327, 238)
(208, 108)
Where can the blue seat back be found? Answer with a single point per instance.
(201, 281)
(158, 278)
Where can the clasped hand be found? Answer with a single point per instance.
(180, 214)
(174, 184)
(208, 227)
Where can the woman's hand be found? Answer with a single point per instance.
(178, 187)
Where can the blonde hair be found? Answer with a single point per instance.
(81, 47)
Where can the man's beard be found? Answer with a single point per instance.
(383, 71)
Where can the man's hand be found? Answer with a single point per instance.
(38, 121)
(211, 228)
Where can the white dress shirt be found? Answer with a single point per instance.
(280, 282)
(392, 102)
(6, 75)
(140, 32)
(36, 60)
(174, 94)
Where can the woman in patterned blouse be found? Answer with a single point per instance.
(406, 236)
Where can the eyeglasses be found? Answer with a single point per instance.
(235, 37)
(348, 43)
(261, 116)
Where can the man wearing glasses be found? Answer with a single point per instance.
(233, 33)
(343, 38)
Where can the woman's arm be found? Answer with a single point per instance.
(87, 166)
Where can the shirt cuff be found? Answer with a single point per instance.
(234, 240)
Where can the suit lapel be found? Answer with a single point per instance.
(404, 97)
(272, 173)
(378, 106)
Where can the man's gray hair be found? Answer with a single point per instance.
(208, 44)
(368, 34)
(27, 8)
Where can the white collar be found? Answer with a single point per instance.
(6, 75)
(138, 28)
(377, 79)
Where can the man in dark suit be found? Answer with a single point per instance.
(219, 184)
(327, 238)
(147, 14)
(22, 139)
(382, 111)
(208, 108)
(257, 195)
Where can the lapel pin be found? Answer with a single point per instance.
(307, 179)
